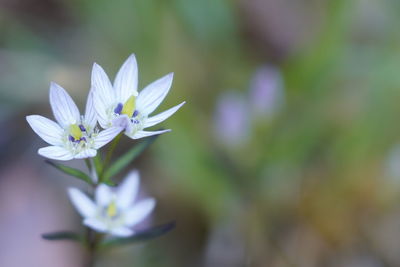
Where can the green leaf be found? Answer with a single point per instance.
(71, 171)
(62, 235)
(141, 236)
(128, 157)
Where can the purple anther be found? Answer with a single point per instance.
(118, 109)
(83, 129)
(136, 122)
(71, 138)
(83, 139)
(135, 113)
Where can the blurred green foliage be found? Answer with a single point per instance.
(319, 163)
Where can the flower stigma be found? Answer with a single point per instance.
(76, 134)
(112, 210)
(129, 106)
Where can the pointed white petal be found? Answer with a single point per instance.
(101, 110)
(141, 134)
(104, 195)
(105, 136)
(153, 94)
(64, 108)
(55, 152)
(102, 85)
(82, 203)
(87, 153)
(90, 112)
(121, 231)
(139, 212)
(162, 116)
(95, 224)
(48, 130)
(128, 190)
(126, 82)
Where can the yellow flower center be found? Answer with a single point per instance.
(112, 210)
(75, 131)
(129, 106)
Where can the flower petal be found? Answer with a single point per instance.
(101, 110)
(82, 203)
(105, 136)
(104, 95)
(141, 134)
(162, 116)
(47, 129)
(139, 212)
(87, 153)
(95, 224)
(153, 94)
(121, 231)
(55, 152)
(126, 82)
(104, 195)
(64, 109)
(90, 112)
(128, 190)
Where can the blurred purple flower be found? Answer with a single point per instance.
(392, 164)
(266, 91)
(231, 123)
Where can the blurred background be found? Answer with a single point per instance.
(287, 152)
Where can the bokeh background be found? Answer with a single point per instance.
(287, 152)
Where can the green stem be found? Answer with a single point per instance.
(91, 249)
(110, 152)
(93, 241)
(88, 164)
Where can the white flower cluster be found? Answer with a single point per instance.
(117, 107)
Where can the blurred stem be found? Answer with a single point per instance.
(89, 165)
(91, 248)
(93, 241)
(110, 152)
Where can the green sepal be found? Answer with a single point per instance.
(128, 157)
(109, 183)
(141, 236)
(63, 235)
(71, 171)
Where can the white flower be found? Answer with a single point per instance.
(121, 104)
(113, 210)
(74, 136)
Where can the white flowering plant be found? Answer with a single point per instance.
(110, 211)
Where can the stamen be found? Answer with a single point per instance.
(83, 129)
(135, 113)
(118, 109)
(71, 138)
